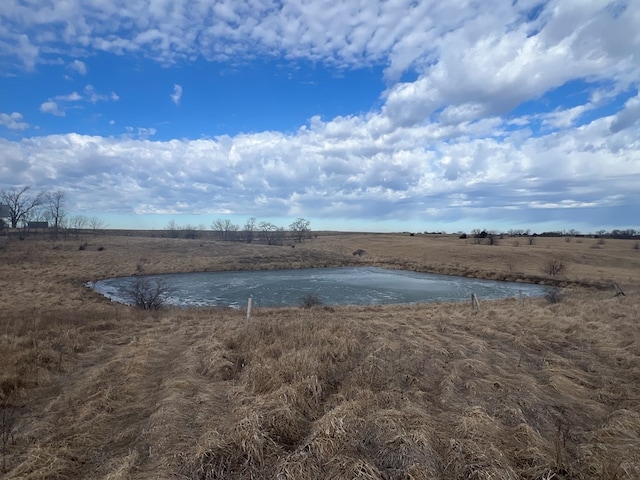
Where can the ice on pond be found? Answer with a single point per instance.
(333, 286)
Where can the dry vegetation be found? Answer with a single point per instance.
(91, 389)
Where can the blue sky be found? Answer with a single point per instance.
(357, 115)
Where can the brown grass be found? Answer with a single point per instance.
(90, 389)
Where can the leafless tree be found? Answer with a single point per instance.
(190, 231)
(21, 204)
(226, 228)
(271, 234)
(249, 229)
(478, 235)
(55, 211)
(172, 229)
(96, 224)
(77, 223)
(299, 229)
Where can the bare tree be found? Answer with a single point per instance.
(172, 229)
(249, 229)
(232, 231)
(96, 224)
(190, 231)
(21, 204)
(77, 223)
(478, 235)
(55, 211)
(271, 234)
(225, 228)
(299, 229)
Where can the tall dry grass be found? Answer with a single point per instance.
(524, 391)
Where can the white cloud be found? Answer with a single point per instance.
(565, 118)
(51, 107)
(471, 58)
(71, 97)
(495, 68)
(13, 121)
(95, 97)
(177, 94)
(400, 34)
(341, 169)
(56, 105)
(141, 132)
(628, 116)
(79, 66)
(27, 51)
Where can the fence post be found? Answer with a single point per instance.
(249, 304)
(475, 304)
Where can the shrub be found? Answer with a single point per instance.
(491, 240)
(359, 252)
(148, 294)
(555, 295)
(554, 266)
(140, 265)
(310, 300)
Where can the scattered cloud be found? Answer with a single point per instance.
(59, 103)
(177, 94)
(141, 132)
(94, 97)
(79, 66)
(51, 107)
(25, 50)
(71, 97)
(13, 121)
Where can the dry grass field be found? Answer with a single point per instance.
(533, 390)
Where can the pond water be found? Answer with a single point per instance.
(332, 286)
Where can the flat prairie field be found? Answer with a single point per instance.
(538, 389)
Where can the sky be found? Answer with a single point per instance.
(357, 115)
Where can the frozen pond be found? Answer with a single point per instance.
(333, 286)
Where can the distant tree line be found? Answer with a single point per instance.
(251, 232)
(628, 233)
(29, 213)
